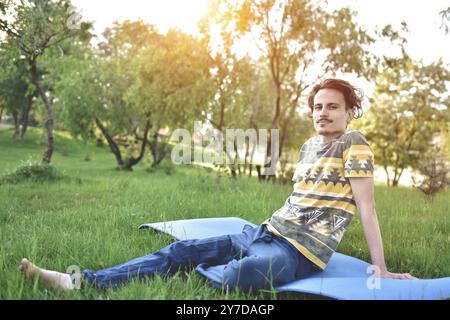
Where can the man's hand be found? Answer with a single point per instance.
(391, 275)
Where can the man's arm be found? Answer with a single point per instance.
(363, 193)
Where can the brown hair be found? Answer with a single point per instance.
(353, 95)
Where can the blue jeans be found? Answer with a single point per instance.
(250, 260)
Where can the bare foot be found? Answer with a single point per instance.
(54, 279)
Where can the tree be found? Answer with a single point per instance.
(409, 108)
(224, 79)
(172, 82)
(435, 169)
(445, 16)
(233, 82)
(138, 83)
(292, 35)
(79, 91)
(254, 95)
(91, 96)
(91, 87)
(36, 26)
(16, 91)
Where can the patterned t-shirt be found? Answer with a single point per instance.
(317, 213)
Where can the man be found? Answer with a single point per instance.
(334, 176)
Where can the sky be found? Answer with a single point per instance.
(426, 40)
(163, 13)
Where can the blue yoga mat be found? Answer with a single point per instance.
(345, 277)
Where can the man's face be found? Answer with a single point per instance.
(329, 114)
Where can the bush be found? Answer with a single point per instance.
(32, 170)
(166, 166)
(435, 170)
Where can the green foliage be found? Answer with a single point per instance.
(171, 80)
(34, 171)
(16, 91)
(79, 88)
(435, 169)
(40, 24)
(294, 37)
(36, 27)
(138, 75)
(409, 109)
(292, 30)
(166, 166)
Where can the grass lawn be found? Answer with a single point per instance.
(90, 220)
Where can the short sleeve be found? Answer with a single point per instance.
(358, 157)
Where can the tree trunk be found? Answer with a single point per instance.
(247, 153)
(397, 177)
(48, 105)
(2, 108)
(219, 128)
(112, 144)
(252, 155)
(16, 126)
(231, 165)
(237, 156)
(157, 156)
(25, 117)
(154, 149)
(400, 174)
(387, 176)
(275, 125)
(258, 170)
(133, 161)
(287, 118)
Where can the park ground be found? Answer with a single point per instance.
(89, 218)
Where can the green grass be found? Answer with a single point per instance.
(90, 218)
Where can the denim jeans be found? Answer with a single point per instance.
(250, 260)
